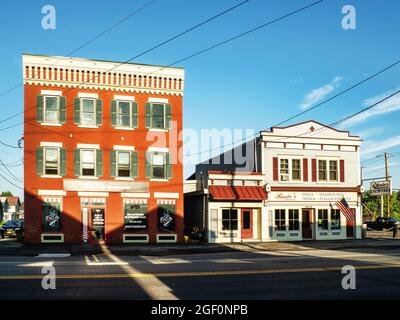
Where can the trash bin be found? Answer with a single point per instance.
(364, 231)
(395, 229)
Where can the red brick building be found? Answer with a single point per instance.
(101, 151)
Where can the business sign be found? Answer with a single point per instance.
(97, 217)
(277, 196)
(135, 217)
(166, 217)
(381, 187)
(51, 217)
(105, 185)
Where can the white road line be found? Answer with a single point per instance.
(231, 261)
(157, 260)
(53, 255)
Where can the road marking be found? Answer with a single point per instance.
(53, 255)
(37, 264)
(195, 273)
(231, 261)
(157, 260)
(97, 262)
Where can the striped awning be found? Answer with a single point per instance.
(238, 193)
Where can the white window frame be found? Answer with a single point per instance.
(58, 162)
(119, 126)
(164, 128)
(290, 169)
(328, 170)
(117, 163)
(95, 162)
(286, 220)
(94, 125)
(165, 155)
(58, 109)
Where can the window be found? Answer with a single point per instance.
(158, 115)
(284, 169)
(124, 114)
(335, 219)
(158, 165)
(51, 163)
(280, 219)
(124, 164)
(293, 219)
(333, 170)
(323, 219)
(88, 163)
(322, 171)
(88, 112)
(296, 169)
(51, 216)
(229, 219)
(51, 109)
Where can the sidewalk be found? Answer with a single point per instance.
(12, 247)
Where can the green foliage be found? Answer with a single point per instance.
(6, 194)
(373, 203)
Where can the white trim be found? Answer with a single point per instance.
(167, 195)
(124, 179)
(88, 177)
(158, 130)
(133, 235)
(167, 201)
(159, 100)
(93, 194)
(88, 95)
(159, 180)
(157, 149)
(52, 241)
(135, 195)
(86, 126)
(135, 201)
(124, 98)
(51, 193)
(50, 93)
(51, 176)
(51, 124)
(51, 144)
(124, 128)
(166, 241)
(124, 148)
(87, 146)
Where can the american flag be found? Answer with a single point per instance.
(345, 209)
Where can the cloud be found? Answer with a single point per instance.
(371, 132)
(376, 146)
(318, 94)
(387, 106)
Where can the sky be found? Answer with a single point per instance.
(251, 83)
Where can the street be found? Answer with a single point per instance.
(307, 274)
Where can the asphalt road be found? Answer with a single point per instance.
(309, 274)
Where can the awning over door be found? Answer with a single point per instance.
(243, 193)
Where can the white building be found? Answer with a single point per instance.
(305, 168)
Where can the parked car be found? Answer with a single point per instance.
(12, 228)
(382, 223)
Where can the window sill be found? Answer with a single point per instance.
(159, 180)
(51, 176)
(124, 179)
(51, 124)
(88, 177)
(158, 130)
(87, 126)
(124, 128)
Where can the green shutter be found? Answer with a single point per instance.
(39, 161)
(134, 114)
(99, 163)
(113, 163)
(77, 110)
(148, 164)
(99, 112)
(148, 115)
(168, 116)
(63, 162)
(39, 108)
(63, 114)
(113, 113)
(169, 165)
(134, 164)
(77, 162)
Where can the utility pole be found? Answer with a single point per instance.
(387, 178)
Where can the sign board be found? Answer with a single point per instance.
(135, 217)
(277, 196)
(379, 188)
(98, 217)
(51, 217)
(105, 185)
(166, 218)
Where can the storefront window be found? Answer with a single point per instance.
(280, 219)
(296, 169)
(335, 219)
(293, 219)
(229, 219)
(51, 213)
(135, 217)
(323, 219)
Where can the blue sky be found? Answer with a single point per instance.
(253, 82)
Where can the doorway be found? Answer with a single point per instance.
(306, 224)
(247, 223)
(97, 225)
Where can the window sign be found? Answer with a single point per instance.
(51, 216)
(135, 217)
(166, 217)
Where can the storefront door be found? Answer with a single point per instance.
(247, 223)
(306, 224)
(97, 224)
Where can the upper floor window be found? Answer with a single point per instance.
(50, 161)
(158, 116)
(158, 165)
(296, 169)
(88, 112)
(284, 169)
(123, 164)
(124, 114)
(327, 170)
(290, 170)
(88, 162)
(50, 109)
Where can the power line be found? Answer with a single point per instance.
(88, 41)
(11, 182)
(9, 172)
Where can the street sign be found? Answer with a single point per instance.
(379, 188)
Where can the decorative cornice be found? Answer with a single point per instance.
(80, 73)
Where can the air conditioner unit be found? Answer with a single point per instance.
(285, 177)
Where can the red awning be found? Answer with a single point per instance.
(244, 193)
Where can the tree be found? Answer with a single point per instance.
(6, 194)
